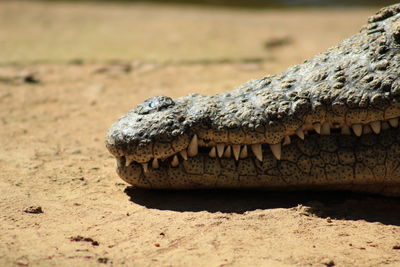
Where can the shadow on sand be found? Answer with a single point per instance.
(337, 205)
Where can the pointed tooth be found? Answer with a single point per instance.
(367, 129)
(213, 152)
(155, 164)
(325, 129)
(128, 161)
(228, 152)
(175, 161)
(385, 125)
(243, 152)
(376, 126)
(236, 151)
(345, 130)
(220, 149)
(184, 154)
(300, 133)
(257, 151)
(394, 122)
(193, 147)
(118, 162)
(357, 129)
(276, 150)
(317, 127)
(145, 167)
(286, 140)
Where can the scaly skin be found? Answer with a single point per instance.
(346, 101)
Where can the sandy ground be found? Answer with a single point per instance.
(68, 71)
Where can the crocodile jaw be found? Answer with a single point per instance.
(368, 163)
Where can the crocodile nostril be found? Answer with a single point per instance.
(155, 104)
(181, 118)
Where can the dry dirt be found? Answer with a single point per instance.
(68, 71)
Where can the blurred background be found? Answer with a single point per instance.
(255, 3)
(175, 30)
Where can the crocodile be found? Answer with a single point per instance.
(329, 123)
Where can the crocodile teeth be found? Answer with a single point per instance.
(367, 129)
(243, 152)
(376, 126)
(394, 122)
(145, 167)
(175, 161)
(228, 152)
(300, 133)
(345, 130)
(155, 164)
(239, 151)
(128, 161)
(385, 125)
(257, 151)
(317, 127)
(220, 149)
(193, 147)
(286, 140)
(357, 129)
(184, 154)
(325, 129)
(276, 150)
(236, 151)
(119, 162)
(213, 152)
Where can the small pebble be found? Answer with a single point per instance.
(33, 209)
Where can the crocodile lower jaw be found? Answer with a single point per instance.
(241, 151)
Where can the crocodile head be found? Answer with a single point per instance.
(330, 121)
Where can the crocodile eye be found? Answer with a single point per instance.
(155, 104)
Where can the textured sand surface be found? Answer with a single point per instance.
(91, 64)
